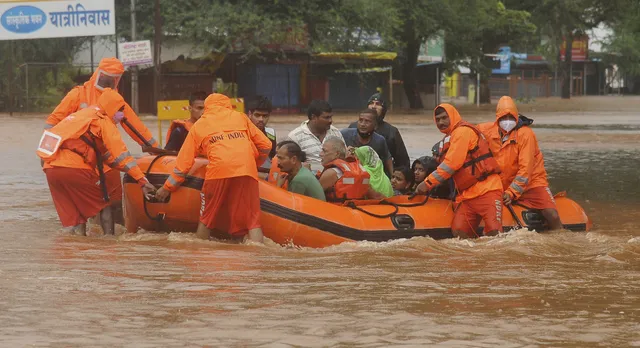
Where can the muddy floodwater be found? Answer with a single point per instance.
(520, 289)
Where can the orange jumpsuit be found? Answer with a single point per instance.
(83, 96)
(480, 202)
(235, 148)
(523, 174)
(70, 167)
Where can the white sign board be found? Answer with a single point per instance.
(135, 53)
(48, 19)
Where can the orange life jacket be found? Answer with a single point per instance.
(354, 183)
(69, 136)
(479, 163)
(186, 124)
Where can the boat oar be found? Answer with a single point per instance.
(519, 224)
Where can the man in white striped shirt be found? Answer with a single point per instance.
(311, 134)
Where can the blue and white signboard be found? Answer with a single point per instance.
(49, 19)
(504, 54)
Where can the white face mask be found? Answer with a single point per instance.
(507, 125)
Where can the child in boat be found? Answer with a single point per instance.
(423, 167)
(402, 180)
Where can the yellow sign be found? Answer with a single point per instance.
(237, 104)
(173, 110)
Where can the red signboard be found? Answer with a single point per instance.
(579, 49)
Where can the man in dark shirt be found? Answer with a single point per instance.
(259, 110)
(179, 128)
(390, 133)
(365, 135)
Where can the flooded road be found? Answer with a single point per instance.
(168, 290)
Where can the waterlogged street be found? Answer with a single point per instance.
(520, 289)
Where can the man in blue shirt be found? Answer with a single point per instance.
(364, 135)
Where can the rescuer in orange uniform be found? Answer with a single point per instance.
(235, 148)
(516, 149)
(464, 154)
(107, 75)
(72, 150)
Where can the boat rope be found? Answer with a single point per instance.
(396, 207)
(353, 205)
(158, 217)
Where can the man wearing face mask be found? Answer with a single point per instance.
(464, 155)
(516, 149)
(73, 150)
(395, 144)
(365, 135)
(107, 75)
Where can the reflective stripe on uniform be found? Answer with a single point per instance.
(179, 173)
(517, 188)
(172, 181)
(365, 181)
(349, 181)
(346, 167)
(437, 176)
(446, 168)
(522, 179)
(106, 155)
(121, 158)
(130, 165)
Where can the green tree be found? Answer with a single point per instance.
(51, 83)
(480, 28)
(560, 21)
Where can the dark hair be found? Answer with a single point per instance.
(317, 107)
(199, 95)
(293, 149)
(409, 176)
(259, 102)
(371, 112)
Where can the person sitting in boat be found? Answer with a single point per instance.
(388, 131)
(402, 181)
(365, 135)
(516, 149)
(423, 167)
(298, 178)
(343, 177)
(178, 129)
(259, 111)
(467, 158)
(312, 133)
(369, 159)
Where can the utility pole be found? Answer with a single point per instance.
(157, 50)
(134, 69)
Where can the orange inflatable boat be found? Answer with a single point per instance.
(289, 218)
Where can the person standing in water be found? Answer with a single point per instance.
(73, 149)
(466, 157)
(235, 148)
(516, 149)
